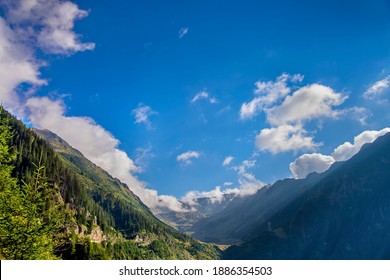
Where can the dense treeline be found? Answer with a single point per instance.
(75, 198)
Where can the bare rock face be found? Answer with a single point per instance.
(97, 235)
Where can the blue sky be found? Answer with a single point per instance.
(150, 59)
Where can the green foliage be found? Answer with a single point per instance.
(27, 217)
(26, 225)
(6, 156)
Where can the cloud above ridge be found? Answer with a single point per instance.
(308, 163)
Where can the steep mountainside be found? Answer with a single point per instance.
(104, 219)
(346, 215)
(245, 216)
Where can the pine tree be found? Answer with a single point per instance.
(27, 217)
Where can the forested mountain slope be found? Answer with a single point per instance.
(245, 216)
(88, 214)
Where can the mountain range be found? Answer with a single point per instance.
(99, 217)
(343, 213)
(73, 209)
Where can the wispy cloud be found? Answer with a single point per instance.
(143, 156)
(377, 89)
(183, 31)
(204, 95)
(227, 160)
(142, 115)
(186, 158)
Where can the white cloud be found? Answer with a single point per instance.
(287, 112)
(142, 157)
(183, 31)
(285, 138)
(247, 182)
(49, 24)
(17, 65)
(217, 195)
(244, 166)
(227, 160)
(204, 95)
(200, 95)
(213, 100)
(308, 163)
(186, 157)
(377, 89)
(268, 93)
(348, 150)
(142, 115)
(357, 113)
(251, 108)
(309, 102)
(26, 26)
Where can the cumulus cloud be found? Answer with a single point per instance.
(288, 111)
(186, 158)
(227, 160)
(183, 31)
(377, 89)
(309, 163)
(267, 94)
(285, 138)
(17, 65)
(49, 24)
(309, 102)
(25, 27)
(204, 95)
(142, 115)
